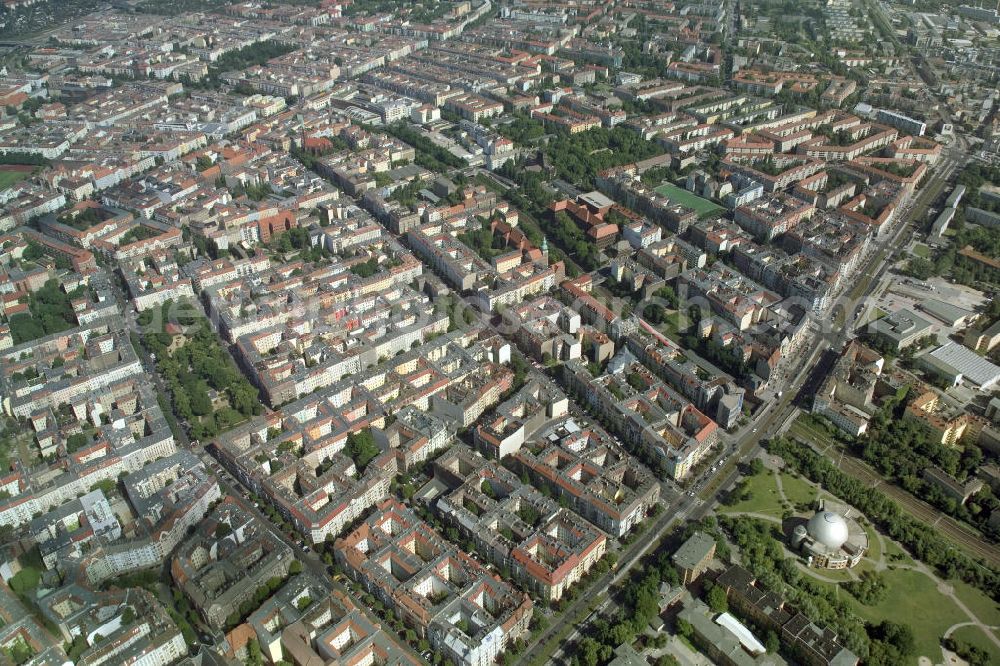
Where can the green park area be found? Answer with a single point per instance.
(975, 637)
(912, 596)
(49, 309)
(888, 585)
(208, 390)
(702, 206)
(760, 494)
(9, 178)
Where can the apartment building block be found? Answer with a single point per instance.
(545, 548)
(465, 611)
(583, 465)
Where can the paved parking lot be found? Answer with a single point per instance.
(897, 292)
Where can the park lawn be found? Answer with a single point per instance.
(975, 636)
(9, 178)
(976, 601)
(914, 599)
(700, 205)
(876, 553)
(894, 549)
(798, 490)
(874, 544)
(921, 250)
(670, 325)
(863, 566)
(764, 497)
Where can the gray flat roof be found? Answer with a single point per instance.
(626, 655)
(942, 221)
(946, 312)
(693, 550)
(596, 199)
(900, 324)
(973, 367)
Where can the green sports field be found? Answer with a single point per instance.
(8, 178)
(680, 195)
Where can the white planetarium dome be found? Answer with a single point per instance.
(829, 529)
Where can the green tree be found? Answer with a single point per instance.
(361, 448)
(590, 652)
(254, 656)
(201, 404)
(920, 268)
(76, 441)
(771, 642)
(245, 398)
(716, 598)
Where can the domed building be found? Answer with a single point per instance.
(831, 539)
(828, 528)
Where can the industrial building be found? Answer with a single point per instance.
(901, 329)
(957, 363)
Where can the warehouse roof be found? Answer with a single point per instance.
(973, 367)
(946, 312)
